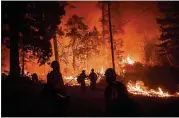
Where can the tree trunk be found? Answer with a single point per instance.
(55, 48)
(168, 57)
(73, 63)
(23, 59)
(103, 20)
(23, 55)
(103, 33)
(73, 51)
(87, 56)
(14, 55)
(111, 37)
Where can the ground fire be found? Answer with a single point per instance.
(136, 88)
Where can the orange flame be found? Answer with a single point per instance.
(128, 60)
(138, 88)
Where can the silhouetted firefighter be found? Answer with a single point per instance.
(117, 100)
(55, 90)
(93, 79)
(81, 80)
(35, 77)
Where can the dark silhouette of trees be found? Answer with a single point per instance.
(36, 22)
(95, 41)
(149, 46)
(62, 55)
(75, 29)
(60, 33)
(169, 25)
(84, 43)
(90, 44)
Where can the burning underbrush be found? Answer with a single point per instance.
(72, 81)
(135, 88)
(138, 88)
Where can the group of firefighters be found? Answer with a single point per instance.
(55, 80)
(92, 77)
(115, 95)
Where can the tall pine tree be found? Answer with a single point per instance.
(169, 25)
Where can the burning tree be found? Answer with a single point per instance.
(169, 25)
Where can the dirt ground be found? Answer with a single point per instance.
(24, 100)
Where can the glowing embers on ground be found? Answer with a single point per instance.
(138, 88)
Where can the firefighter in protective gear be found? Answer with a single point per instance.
(81, 80)
(56, 90)
(93, 79)
(118, 102)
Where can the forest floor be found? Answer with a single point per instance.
(22, 98)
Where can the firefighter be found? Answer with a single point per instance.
(93, 79)
(35, 77)
(117, 99)
(54, 78)
(81, 80)
(56, 90)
